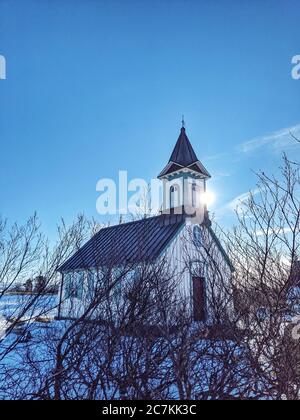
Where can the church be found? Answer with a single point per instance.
(181, 234)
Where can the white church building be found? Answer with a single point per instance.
(182, 234)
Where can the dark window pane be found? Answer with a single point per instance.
(199, 298)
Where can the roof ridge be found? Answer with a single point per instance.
(128, 223)
(139, 240)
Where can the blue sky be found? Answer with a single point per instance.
(94, 87)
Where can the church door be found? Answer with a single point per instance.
(199, 298)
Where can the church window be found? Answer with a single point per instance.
(199, 299)
(174, 196)
(197, 234)
(194, 194)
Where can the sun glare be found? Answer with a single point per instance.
(209, 198)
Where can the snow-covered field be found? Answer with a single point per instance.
(28, 306)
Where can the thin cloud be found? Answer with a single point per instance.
(277, 141)
(236, 203)
(221, 175)
(217, 156)
(276, 231)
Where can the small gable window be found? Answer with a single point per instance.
(197, 236)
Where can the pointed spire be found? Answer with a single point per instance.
(182, 122)
(183, 152)
(183, 156)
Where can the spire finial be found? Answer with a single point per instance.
(183, 122)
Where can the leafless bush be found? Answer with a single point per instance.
(135, 335)
(25, 253)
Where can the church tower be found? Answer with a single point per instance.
(184, 182)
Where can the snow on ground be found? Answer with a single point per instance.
(12, 306)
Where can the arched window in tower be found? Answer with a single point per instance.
(174, 196)
(194, 194)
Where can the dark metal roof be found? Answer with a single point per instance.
(183, 152)
(183, 156)
(132, 242)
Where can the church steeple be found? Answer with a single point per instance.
(183, 156)
(184, 181)
(183, 152)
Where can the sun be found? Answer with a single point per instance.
(209, 197)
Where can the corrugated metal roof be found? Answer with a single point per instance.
(132, 242)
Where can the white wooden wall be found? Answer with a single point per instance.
(185, 258)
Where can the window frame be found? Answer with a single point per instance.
(199, 292)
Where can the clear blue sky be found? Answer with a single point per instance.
(97, 86)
